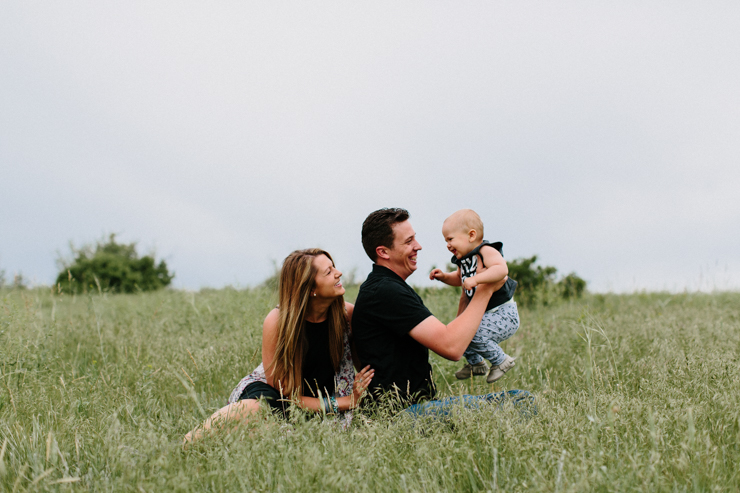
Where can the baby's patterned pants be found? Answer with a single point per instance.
(495, 328)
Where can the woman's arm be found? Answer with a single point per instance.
(269, 342)
(355, 359)
(362, 381)
(350, 310)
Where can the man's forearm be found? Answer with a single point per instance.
(451, 340)
(464, 327)
(462, 304)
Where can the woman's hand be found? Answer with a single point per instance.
(362, 381)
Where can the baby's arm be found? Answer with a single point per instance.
(496, 269)
(449, 278)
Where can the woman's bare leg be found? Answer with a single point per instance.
(235, 413)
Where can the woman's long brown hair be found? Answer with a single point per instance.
(297, 280)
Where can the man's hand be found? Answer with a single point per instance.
(486, 289)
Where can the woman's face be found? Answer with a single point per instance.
(328, 283)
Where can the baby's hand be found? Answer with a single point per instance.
(469, 283)
(436, 274)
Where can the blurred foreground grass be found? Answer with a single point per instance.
(635, 392)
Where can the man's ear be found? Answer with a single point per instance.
(382, 252)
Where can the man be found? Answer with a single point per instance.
(392, 328)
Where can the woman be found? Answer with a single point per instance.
(305, 348)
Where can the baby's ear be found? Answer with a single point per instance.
(472, 235)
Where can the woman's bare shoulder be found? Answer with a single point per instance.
(271, 320)
(350, 308)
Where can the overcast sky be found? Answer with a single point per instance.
(602, 136)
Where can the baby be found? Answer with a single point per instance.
(463, 232)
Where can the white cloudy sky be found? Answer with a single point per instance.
(602, 136)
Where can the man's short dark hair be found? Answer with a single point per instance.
(377, 230)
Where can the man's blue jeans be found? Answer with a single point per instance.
(442, 407)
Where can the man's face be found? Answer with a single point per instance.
(403, 254)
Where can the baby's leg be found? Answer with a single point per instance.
(495, 327)
(471, 355)
(476, 364)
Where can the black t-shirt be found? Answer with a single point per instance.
(385, 311)
(317, 371)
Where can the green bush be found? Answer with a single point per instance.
(538, 284)
(112, 266)
(572, 286)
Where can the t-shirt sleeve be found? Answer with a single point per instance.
(403, 309)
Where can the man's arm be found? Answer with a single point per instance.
(496, 269)
(451, 340)
(462, 304)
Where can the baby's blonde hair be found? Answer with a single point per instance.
(467, 219)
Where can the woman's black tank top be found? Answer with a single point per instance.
(317, 371)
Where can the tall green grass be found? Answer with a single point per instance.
(635, 392)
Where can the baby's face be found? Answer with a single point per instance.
(458, 240)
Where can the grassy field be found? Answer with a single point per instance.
(635, 392)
